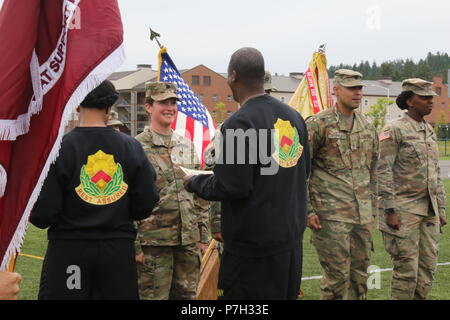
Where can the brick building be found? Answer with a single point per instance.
(441, 102)
(211, 88)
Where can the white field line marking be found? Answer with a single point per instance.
(377, 270)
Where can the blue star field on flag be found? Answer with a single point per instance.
(189, 103)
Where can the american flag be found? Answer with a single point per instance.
(193, 120)
(384, 135)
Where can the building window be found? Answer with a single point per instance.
(442, 104)
(142, 117)
(201, 96)
(214, 97)
(195, 80)
(366, 102)
(438, 90)
(124, 99)
(282, 99)
(230, 98)
(206, 81)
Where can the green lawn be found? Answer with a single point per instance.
(380, 258)
(35, 244)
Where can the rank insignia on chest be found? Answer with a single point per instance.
(101, 180)
(288, 147)
(384, 135)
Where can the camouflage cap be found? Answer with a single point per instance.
(160, 91)
(113, 119)
(348, 78)
(418, 86)
(268, 81)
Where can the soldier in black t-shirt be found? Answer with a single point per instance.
(262, 191)
(100, 182)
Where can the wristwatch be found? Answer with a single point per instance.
(389, 211)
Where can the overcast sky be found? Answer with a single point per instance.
(286, 31)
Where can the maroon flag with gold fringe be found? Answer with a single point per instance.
(53, 53)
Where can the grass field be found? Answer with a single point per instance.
(35, 244)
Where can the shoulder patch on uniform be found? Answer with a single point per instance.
(384, 135)
(101, 180)
(289, 148)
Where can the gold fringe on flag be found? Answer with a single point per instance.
(313, 93)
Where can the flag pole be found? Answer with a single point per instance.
(154, 36)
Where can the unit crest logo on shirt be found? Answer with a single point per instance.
(289, 148)
(101, 180)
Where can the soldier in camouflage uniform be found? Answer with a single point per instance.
(210, 161)
(268, 82)
(167, 244)
(113, 121)
(342, 194)
(411, 193)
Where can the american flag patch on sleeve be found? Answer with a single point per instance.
(384, 135)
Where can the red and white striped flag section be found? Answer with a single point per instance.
(53, 53)
(193, 120)
(313, 93)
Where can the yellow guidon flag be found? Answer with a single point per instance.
(101, 180)
(313, 94)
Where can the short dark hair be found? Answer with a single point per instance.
(102, 97)
(249, 66)
(402, 98)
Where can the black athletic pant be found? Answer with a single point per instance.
(275, 277)
(89, 269)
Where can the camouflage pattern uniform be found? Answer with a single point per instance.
(342, 192)
(113, 119)
(409, 183)
(268, 82)
(169, 237)
(210, 161)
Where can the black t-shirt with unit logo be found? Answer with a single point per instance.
(100, 182)
(262, 191)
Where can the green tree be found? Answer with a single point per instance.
(441, 121)
(423, 71)
(378, 112)
(221, 112)
(397, 76)
(386, 70)
(375, 74)
(434, 65)
(409, 69)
